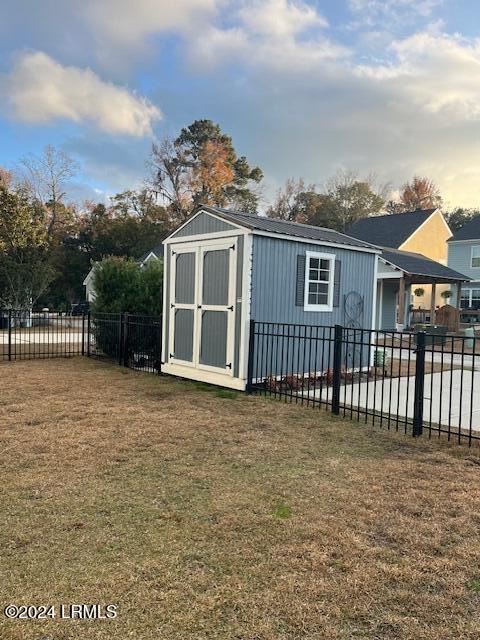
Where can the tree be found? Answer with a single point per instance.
(138, 204)
(25, 267)
(291, 201)
(350, 199)
(201, 167)
(121, 285)
(344, 200)
(6, 178)
(46, 177)
(420, 193)
(458, 218)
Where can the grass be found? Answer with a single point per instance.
(247, 520)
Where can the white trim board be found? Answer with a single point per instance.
(201, 375)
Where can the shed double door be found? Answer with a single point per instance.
(202, 307)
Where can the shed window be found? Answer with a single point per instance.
(476, 256)
(319, 270)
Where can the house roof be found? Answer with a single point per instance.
(158, 251)
(284, 227)
(390, 230)
(470, 231)
(415, 264)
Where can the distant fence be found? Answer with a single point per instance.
(133, 341)
(416, 383)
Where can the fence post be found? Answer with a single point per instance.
(160, 344)
(337, 368)
(120, 338)
(89, 327)
(9, 334)
(251, 351)
(83, 334)
(125, 339)
(419, 385)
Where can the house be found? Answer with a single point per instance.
(224, 268)
(464, 255)
(152, 254)
(425, 232)
(414, 256)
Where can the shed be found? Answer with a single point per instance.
(224, 268)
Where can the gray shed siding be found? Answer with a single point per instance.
(274, 272)
(459, 259)
(274, 286)
(203, 224)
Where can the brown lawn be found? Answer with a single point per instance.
(205, 516)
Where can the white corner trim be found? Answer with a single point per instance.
(375, 291)
(246, 305)
(331, 283)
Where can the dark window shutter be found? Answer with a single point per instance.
(336, 283)
(300, 288)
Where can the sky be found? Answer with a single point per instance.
(383, 87)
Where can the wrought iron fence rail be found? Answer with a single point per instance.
(415, 383)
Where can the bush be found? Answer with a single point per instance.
(122, 286)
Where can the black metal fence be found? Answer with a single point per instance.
(415, 383)
(133, 341)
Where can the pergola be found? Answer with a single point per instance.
(414, 269)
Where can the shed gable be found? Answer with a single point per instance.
(202, 224)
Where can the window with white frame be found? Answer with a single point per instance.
(319, 275)
(470, 298)
(475, 262)
(465, 298)
(475, 303)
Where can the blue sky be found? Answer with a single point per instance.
(383, 87)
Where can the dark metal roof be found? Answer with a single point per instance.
(417, 265)
(470, 231)
(158, 251)
(284, 227)
(390, 230)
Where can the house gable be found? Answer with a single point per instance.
(430, 238)
(203, 223)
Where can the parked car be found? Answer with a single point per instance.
(79, 309)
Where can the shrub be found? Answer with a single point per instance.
(122, 286)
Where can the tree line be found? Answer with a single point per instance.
(48, 245)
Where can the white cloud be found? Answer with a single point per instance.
(127, 23)
(279, 18)
(40, 90)
(440, 74)
(283, 35)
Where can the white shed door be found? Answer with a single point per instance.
(202, 313)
